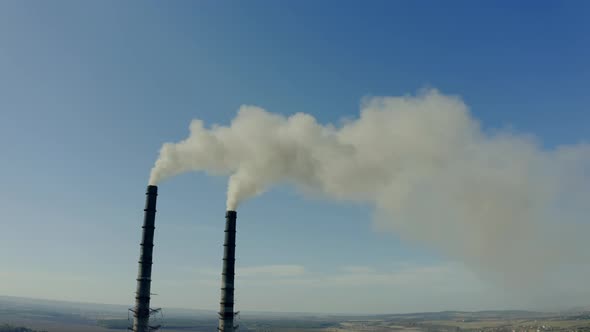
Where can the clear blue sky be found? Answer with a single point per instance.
(90, 90)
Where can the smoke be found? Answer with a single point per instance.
(498, 201)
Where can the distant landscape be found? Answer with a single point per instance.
(31, 315)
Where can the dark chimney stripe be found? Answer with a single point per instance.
(226, 312)
(141, 313)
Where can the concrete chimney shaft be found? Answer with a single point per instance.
(141, 312)
(226, 312)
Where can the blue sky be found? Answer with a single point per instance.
(90, 91)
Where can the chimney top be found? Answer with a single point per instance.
(151, 189)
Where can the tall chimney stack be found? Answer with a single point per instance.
(226, 312)
(141, 312)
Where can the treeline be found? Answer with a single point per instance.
(10, 328)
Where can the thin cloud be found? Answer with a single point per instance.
(271, 271)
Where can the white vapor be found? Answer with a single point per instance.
(498, 202)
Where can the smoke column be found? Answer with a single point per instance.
(496, 200)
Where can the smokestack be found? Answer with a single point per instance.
(141, 312)
(226, 312)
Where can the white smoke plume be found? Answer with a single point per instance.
(498, 201)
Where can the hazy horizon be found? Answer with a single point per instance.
(214, 311)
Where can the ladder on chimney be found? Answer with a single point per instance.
(153, 312)
(236, 318)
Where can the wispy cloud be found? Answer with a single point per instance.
(350, 275)
(271, 271)
(263, 271)
(398, 287)
(357, 269)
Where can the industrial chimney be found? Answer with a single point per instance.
(226, 312)
(141, 312)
